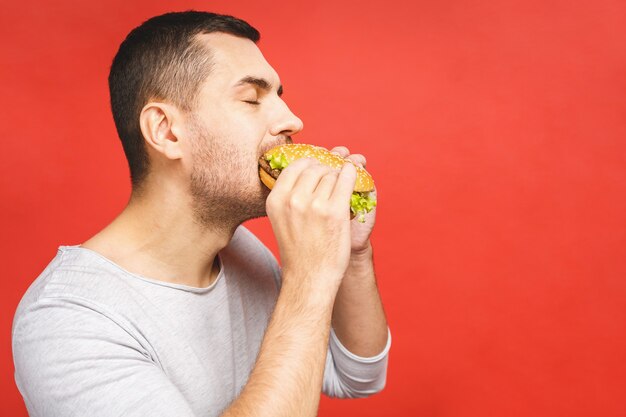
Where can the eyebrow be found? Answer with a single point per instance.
(262, 83)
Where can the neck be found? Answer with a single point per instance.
(157, 236)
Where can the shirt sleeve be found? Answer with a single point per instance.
(72, 360)
(347, 375)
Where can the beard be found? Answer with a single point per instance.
(224, 186)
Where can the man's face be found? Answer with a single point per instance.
(238, 117)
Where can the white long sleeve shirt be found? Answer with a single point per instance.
(92, 339)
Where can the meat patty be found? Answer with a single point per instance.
(267, 168)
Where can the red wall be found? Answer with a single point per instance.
(496, 131)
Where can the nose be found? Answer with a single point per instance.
(286, 123)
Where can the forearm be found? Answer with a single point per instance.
(287, 377)
(358, 317)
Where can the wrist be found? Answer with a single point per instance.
(361, 264)
(362, 254)
(309, 290)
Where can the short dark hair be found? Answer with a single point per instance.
(160, 59)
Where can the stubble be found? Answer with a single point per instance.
(224, 187)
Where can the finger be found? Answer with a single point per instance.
(341, 151)
(326, 185)
(309, 178)
(358, 159)
(288, 177)
(345, 184)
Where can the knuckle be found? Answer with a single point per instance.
(272, 203)
(323, 209)
(318, 206)
(357, 159)
(297, 203)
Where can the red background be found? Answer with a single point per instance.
(496, 133)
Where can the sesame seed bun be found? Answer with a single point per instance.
(293, 151)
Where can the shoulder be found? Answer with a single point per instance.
(67, 312)
(66, 345)
(244, 238)
(74, 284)
(246, 243)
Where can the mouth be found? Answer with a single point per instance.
(283, 141)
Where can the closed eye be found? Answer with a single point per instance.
(253, 102)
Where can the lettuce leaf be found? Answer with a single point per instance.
(362, 203)
(278, 161)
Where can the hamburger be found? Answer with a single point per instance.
(278, 158)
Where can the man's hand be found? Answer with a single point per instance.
(360, 232)
(309, 209)
(358, 317)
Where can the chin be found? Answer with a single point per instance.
(252, 203)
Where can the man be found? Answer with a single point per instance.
(175, 309)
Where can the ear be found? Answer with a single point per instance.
(157, 121)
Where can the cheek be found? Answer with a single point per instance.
(238, 128)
